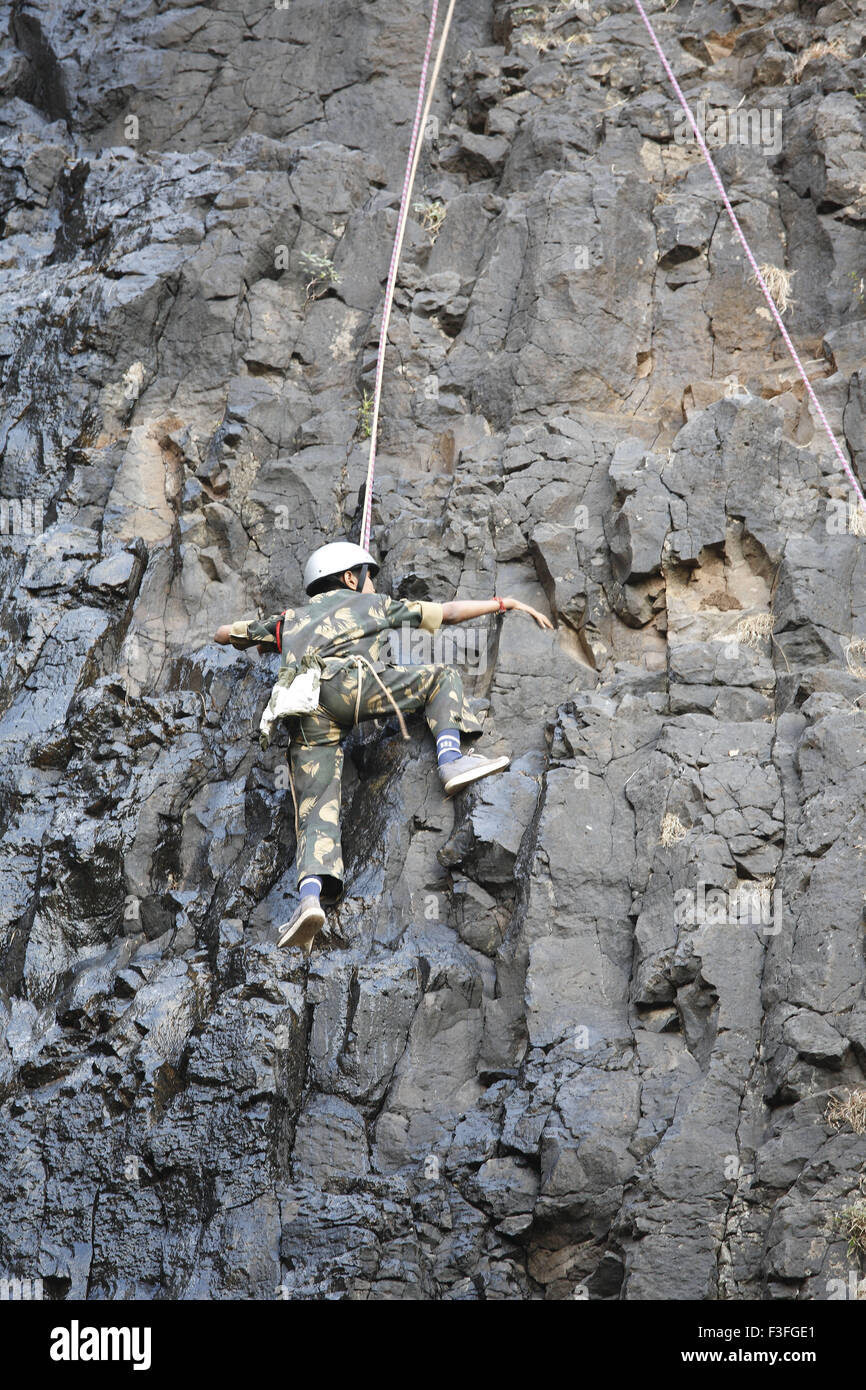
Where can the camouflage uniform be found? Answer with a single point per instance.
(336, 627)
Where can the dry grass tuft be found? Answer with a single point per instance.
(778, 282)
(855, 655)
(672, 830)
(835, 48)
(853, 1222)
(431, 215)
(322, 272)
(858, 522)
(537, 41)
(750, 630)
(851, 1111)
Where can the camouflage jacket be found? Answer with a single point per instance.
(332, 628)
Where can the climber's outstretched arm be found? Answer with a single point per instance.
(261, 633)
(463, 610)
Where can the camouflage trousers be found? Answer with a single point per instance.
(316, 755)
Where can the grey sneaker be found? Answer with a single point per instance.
(472, 766)
(300, 930)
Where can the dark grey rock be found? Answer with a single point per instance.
(539, 1047)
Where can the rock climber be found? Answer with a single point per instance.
(336, 640)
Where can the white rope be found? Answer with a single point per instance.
(415, 152)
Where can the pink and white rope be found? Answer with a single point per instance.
(752, 262)
(409, 179)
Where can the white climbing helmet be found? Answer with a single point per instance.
(336, 558)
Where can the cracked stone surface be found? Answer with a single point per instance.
(574, 1034)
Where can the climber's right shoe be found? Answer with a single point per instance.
(469, 768)
(300, 930)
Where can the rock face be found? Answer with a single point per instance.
(574, 1035)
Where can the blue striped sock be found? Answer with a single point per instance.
(311, 887)
(447, 746)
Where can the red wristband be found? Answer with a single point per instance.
(502, 607)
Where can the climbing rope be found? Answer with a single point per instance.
(422, 111)
(752, 262)
(421, 114)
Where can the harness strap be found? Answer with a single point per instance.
(358, 697)
(361, 663)
(292, 785)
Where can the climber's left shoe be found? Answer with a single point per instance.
(302, 928)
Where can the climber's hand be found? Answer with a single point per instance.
(223, 635)
(516, 606)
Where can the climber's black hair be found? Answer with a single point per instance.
(335, 581)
